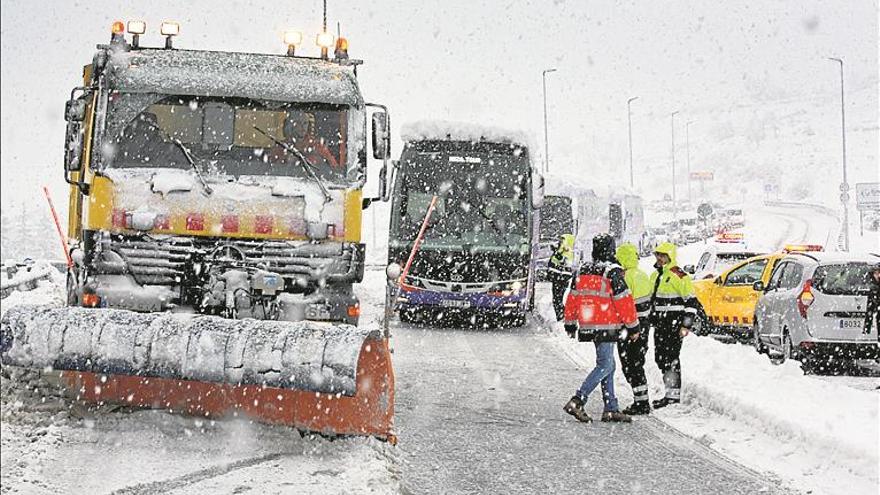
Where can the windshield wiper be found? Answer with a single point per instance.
(186, 153)
(306, 165)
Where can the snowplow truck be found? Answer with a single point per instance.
(215, 235)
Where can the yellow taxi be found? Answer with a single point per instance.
(729, 299)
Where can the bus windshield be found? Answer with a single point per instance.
(482, 189)
(226, 136)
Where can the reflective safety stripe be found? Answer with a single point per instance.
(644, 314)
(673, 393)
(671, 307)
(690, 310)
(640, 388)
(599, 326)
(589, 292)
(643, 300)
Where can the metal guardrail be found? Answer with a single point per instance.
(23, 276)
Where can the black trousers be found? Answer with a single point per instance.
(632, 359)
(667, 351)
(560, 284)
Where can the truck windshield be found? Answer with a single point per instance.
(227, 136)
(556, 218)
(482, 188)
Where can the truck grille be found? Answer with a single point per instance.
(162, 260)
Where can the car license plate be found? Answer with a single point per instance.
(851, 323)
(317, 312)
(455, 303)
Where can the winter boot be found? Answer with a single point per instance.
(639, 408)
(575, 407)
(665, 402)
(615, 417)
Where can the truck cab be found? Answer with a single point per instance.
(218, 182)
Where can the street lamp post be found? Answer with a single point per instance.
(687, 140)
(630, 126)
(844, 188)
(546, 141)
(674, 202)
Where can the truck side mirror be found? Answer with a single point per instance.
(75, 110)
(381, 137)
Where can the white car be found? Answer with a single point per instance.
(813, 308)
(724, 252)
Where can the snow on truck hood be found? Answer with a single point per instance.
(160, 191)
(267, 77)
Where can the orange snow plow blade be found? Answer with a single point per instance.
(325, 378)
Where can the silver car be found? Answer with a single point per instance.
(813, 308)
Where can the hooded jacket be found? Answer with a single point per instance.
(673, 292)
(639, 282)
(562, 260)
(600, 303)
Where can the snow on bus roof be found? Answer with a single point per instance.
(247, 75)
(440, 130)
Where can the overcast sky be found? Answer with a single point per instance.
(729, 66)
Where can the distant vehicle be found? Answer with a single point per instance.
(477, 257)
(689, 230)
(725, 251)
(734, 218)
(557, 218)
(813, 309)
(621, 215)
(729, 299)
(626, 220)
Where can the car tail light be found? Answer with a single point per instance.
(263, 224)
(354, 311)
(119, 218)
(229, 223)
(195, 221)
(805, 299)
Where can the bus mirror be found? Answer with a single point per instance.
(75, 110)
(219, 124)
(381, 138)
(392, 271)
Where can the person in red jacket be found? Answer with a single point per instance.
(600, 308)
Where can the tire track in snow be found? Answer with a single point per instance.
(195, 476)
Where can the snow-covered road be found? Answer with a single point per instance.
(480, 412)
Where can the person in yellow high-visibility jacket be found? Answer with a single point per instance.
(673, 309)
(559, 272)
(632, 350)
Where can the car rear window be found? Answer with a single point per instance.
(842, 279)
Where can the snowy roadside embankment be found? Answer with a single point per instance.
(817, 434)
